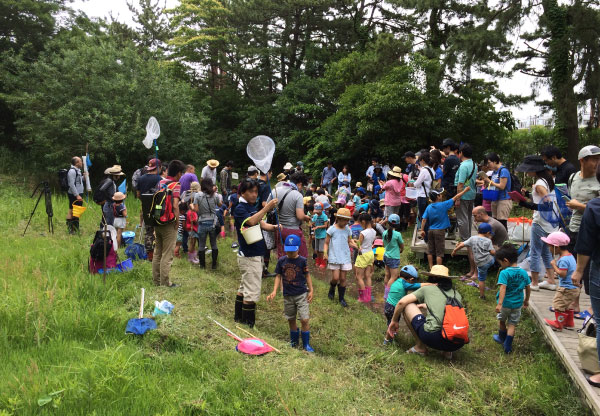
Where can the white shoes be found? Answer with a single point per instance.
(534, 288)
(546, 285)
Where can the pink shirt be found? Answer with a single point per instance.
(394, 190)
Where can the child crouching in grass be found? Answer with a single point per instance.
(292, 272)
(511, 281)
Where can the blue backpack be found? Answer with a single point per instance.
(136, 251)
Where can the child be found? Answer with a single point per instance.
(567, 292)
(394, 245)
(339, 237)
(366, 258)
(292, 272)
(437, 221)
(483, 252)
(191, 226)
(120, 214)
(512, 280)
(319, 224)
(406, 282)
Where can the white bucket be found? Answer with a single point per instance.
(411, 193)
(251, 234)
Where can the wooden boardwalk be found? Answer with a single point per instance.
(565, 343)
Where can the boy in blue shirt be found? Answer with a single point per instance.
(436, 218)
(319, 224)
(567, 292)
(511, 281)
(292, 271)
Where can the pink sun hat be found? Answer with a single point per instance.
(557, 238)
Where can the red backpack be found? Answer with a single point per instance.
(162, 211)
(455, 326)
(191, 221)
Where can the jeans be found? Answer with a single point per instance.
(539, 249)
(595, 297)
(207, 228)
(464, 219)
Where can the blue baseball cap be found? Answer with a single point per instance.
(485, 228)
(394, 219)
(292, 243)
(361, 189)
(410, 270)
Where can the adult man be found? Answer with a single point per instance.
(291, 211)
(328, 177)
(106, 190)
(299, 166)
(210, 170)
(451, 164)
(252, 172)
(369, 174)
(188, 177)
(75, 181)
(465, 176)
(583, 187)
(166, 235)
(412, 169)
(147, 184)
(225, 179)
(499, 233)
(553, 157)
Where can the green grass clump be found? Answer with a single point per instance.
(65, 351)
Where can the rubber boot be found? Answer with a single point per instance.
(294, 338)
(202, 258)
(386, 291)
(569, 322)
(70, 226)
(341, 293)
(306, 341)
(508, 344)
(192, 258)
(361, 295)
(215, 256)
(331, 294)
(557, 324)
(239, 301)
(249, 314)
(500, 337)
(75, 222)
(369, 296)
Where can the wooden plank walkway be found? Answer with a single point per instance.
(565, 343)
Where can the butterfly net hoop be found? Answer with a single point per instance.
(152, 132)
(261, 150)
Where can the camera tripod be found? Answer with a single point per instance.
(44, 190)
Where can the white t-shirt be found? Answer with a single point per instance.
(208, 172)
(369, 236)
(537, 198)
(424, 181)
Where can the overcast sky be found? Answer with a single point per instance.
(518, 84)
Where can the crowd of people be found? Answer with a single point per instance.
(353, 218)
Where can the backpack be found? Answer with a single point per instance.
(455, 326)
(136, 176)
(191, 217)
(100, 195)
(63, 179)
(136, 251)
(97, 248)
(515, 183)
(161, 210)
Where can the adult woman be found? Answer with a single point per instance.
(423, 183)
(250, 256)
(436, 165)
(427, 331)
(500, 181)
(344, 178)
(394, 190)
(205, 204)
(544, 184)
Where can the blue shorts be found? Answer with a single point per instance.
(482, 271)
(435, 339)
(391, 263)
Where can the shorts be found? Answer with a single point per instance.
(388, 311)
(72, 198)
(343, 267)
(509, 315)
(296, 306)
(436, 242)
(482, 271)
(563, 298)
(435, 339)
(365, 260)
(501, 209)
(120, 222)
(252, 270)
(389, 210)
(391, 263)
(319, 244)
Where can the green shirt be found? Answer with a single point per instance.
(435, 300)
(583, 190)
(392, 248)
(463, 175)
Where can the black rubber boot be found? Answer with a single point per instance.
(249, 314)
(331, 294)
(215, 256)
(202, 258)
(70, 226)
(342, 292)
(239, 301)
(75, 222)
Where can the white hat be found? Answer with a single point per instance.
(590, 150)
(288, 166)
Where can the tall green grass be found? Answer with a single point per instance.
(64, 349)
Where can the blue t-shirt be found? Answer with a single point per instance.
(328, 175)
(339, 250)
(467, 173)
(515, 279)
(437, 215)
(569, 264)
(502, 172)
(438, 173)
(398, 290)
(233, 198)
(293, 275)
(240, 213)
(356, 228)
(319, 220)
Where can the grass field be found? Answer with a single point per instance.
(64, 349)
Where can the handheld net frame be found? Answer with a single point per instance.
(553, 208)
(152, 133)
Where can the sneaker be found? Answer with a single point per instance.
(343, 303)
(208, 251)
(235, 245)
(534, 288)
(387, 341)
(547, 285)
(472, 283)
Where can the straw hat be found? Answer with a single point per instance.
(281, 177)
(396, 172)
(343, 213)
(212, 163)
(119, 196)
(115, 170)
(440, 271)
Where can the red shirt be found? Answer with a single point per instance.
(173, 185)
